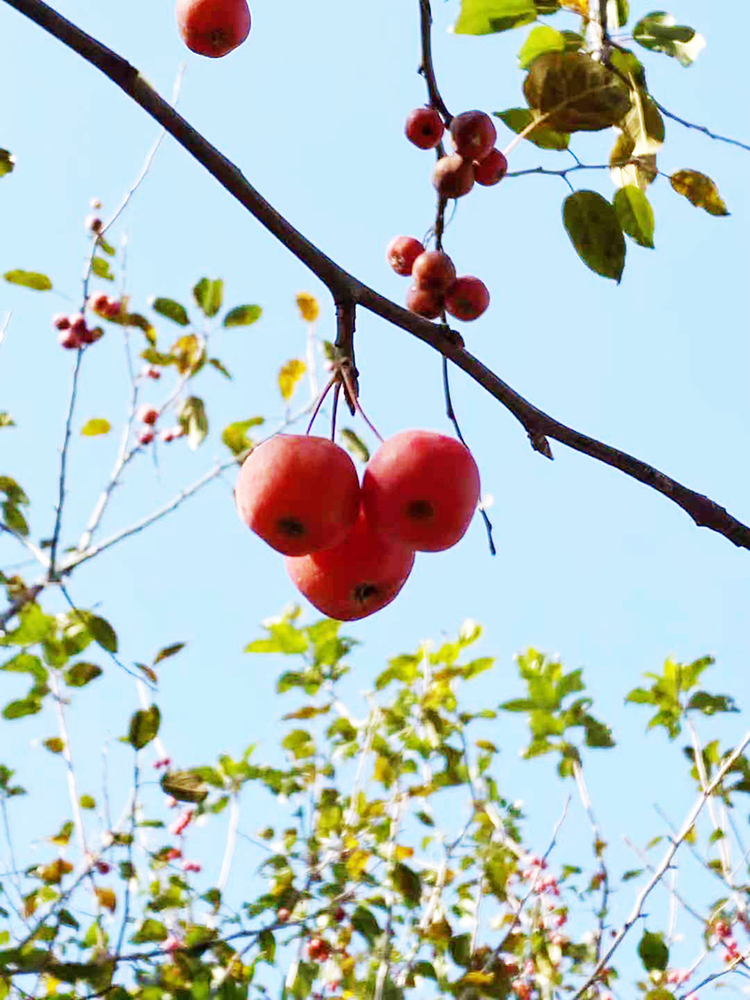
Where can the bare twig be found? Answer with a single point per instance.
(426, 67)
(538, 425)
(700, 128)
(4, 326)
(129, 879)
(63, 466)
(67, 755)
(598, 845)
(37, 553)
(664, 864)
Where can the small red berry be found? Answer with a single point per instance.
(147, 414)
(318, 949)
(90, 336)
(467, 298)
(148, 371)
(68, 339)
(282, 915)
(102, 867)
(93, 223)
(99, 301)
(113, 308)
(453, 176)
(401, 253)
(60, 321)
(77, 323)
(424, 127)
(145, 436)
(433, 270)
(166, 435)
(473, 134)
(339, 914)
(491, 169)
(424, 302)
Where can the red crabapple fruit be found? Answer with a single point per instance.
(467, 298)
(68, 339)
(147, 414)
(356, 578)
(473, 135)
(424, 127)
(453, 176)
(60, 321)
(299, 493)
(433, 270)
(213, 28)
(421, 489)
(424, 302)
(491, 169)
(401, 253)
(145, 435)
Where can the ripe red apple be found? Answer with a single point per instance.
(421, 489)
(401, 253)
(424, 302)
(433, 270)
(356, 578)
(467, 298)
(147, 414)
(453, 176)
(213, 27)
(491, 169)
(424, 127)
(299, 493)
(473, 134)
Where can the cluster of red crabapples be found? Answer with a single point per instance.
(74, 330)
(147, 415)
(436, 287)
(350, 548)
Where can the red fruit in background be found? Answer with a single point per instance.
(473, 134)
(467, 298)
(424, 127)
(93, 223)
(90, 336)
(68, 339)
(147, 414)
(60, 321)
(424, 302)
(356, 578)
(401, 253)
(299, 493)
(433, 270)
(318, 949)
(166, 435)
(148, 371)
(99, 302)
(77, 323)
(421, 489)
(145, 436)
(491, 169)
(213, 27)
(453, 176)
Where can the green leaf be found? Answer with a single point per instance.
(168, 651)
(710, 704)
(541, 39)
(7, 162)
(576, 92)
(150, 930)
(34, 626)
(266, 946)
(189, 354)
(635, 215)
(364, 923)
(18, 709)
(242, 316)
(659, 32)
(355, 445)
(101, 269)
(81, 674)
(299, 743)
(144, 725)
(102, 632)
(484, 17)
(408, 883)
(619, 12)
(209, 295)
(185, 786)
(194, 421)
(235, 437)
(594, 230)
(170, 309)
(653, 951)
(97, 425)
(88, 802)
(289, 376)
(29, 279)
(699, 190)
(215, 363)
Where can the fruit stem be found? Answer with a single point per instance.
(332, 381)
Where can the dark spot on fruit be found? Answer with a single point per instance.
(363, 592)
(420, 510)
(291, 527)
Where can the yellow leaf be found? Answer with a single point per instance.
(699, 190)
(106, 899)
(579, 6)
(289, 376)
(400, 852)
(308, 307)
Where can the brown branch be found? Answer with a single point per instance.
(426, 68)
(344, 286)
(700, 128)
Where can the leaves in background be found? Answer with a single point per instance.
(170, 309)
(209, 295)
(484, 17)
(29, 279)
(699, 190)
(595, 232)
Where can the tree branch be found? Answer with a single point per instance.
(700, 128)
(342, 285)
(426, 68)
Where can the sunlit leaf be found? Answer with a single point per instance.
(54, 744)
(95, 426)
(29, 279)
(289, 376)
(659, 32)
(235, 435)
(308, 307)
(101, 269)
(541, 39)
(81, 674)
(7, 162)
(106, 898)
(185, 786)
(576, 92)
(653, 951)
(355, 445)
(144, 725)
(699, 190)
(168, 651)
(194, 421)
(189, 353)
(635, 215)
(6, 420)
(484, 17)
(209, 295)
(170, 309)
(595, 232)
(242, 316)
(518, 119)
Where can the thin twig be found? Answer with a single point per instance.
(664, 864)
(599, 845)
(538, 425)
(700, 128)
(63, 465)
(129, 879)
(426, 69)
(4, 326)
(67, 756)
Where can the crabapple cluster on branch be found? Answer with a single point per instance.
(350, 549)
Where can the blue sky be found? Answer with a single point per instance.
(590, 565)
